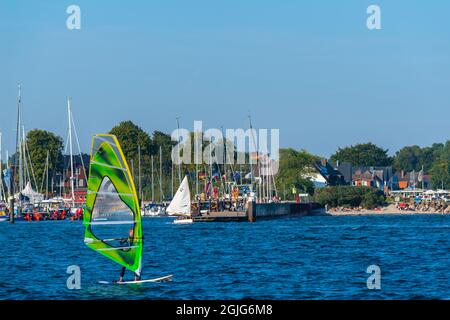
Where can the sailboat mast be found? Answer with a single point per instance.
(25, 169)
(196, 178)
(8, 167)
(19, 141)
(13, 166)
(153, 185)
(46, 184)
(72, 187)
(160, 176)
(224, 173)
(250, 158)
(240, 173)
(141, 195)
(210, 170)
(172, 180)
(61, 185)
(21, 171)
(268, 182)
(258, 163)
(179, 140)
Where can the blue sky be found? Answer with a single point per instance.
(310, 68)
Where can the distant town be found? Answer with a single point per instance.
(412, 175)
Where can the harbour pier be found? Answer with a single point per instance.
(262, 211)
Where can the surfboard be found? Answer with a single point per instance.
(161, 279)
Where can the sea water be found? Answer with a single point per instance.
(291, 258)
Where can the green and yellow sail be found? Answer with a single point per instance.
(112, 206)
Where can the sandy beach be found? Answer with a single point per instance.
(388, 210)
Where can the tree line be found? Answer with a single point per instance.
(295, 166)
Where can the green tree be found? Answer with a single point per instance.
(131, 138)
(367, 154)
(349, 196)
(408, 159)
(414, 158)
(160, 139)
(40, 142)
(294, 169)
(440, 170)
(430, 154)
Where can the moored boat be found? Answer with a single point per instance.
(3, 215)
(154, 210)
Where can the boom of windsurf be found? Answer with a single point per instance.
(112, 208)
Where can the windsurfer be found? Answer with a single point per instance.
(129, 242)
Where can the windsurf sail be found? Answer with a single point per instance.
(181, 202)
(112, 206)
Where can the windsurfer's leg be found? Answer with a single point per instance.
(122, 274)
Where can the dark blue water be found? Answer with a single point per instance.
(295, 258)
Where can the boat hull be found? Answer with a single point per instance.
(183, 221)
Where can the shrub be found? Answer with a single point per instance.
(349, 196)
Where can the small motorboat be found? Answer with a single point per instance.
(154, 210)
(183, 220)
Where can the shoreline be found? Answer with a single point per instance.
(389, 210)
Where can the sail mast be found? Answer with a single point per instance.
(160, 176)
(172, 179)
(29, 171)
(250, 157)
(46, 180)
(196, 178)
(179, 138)
(72, 187)
(224, 167)
(210, 171)
(13, 166)
(19, 139)
(19, 128)
(153, 184)
(24, 160)
(44, 175)
(141, 195)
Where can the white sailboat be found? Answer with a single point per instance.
(33, 196)
(181, 204)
